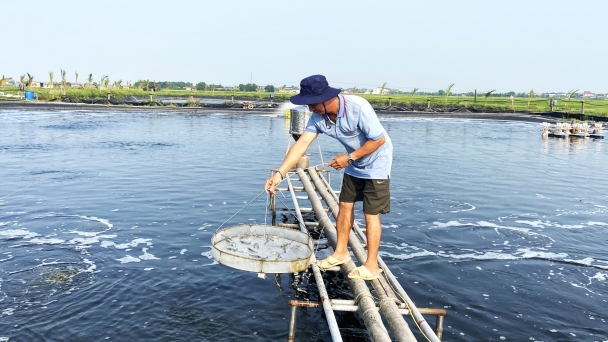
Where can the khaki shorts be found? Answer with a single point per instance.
(375, 194)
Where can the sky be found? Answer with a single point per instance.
(517, 45)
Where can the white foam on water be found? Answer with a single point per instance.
(204, 226)
(17, 233)
(182, 251)
(570, 226)
(106, 244)
(148, 268)
(599, 276)
(599, 209)
(535, 224)
(46, 241)
(481, 256)
(133, 243)
(597, 224)
(406, 256)
(584, 261)
(100, 220)
(2, 224)
(147, 256)
(448, 224)
(8, 312)
(4, 339)
(207, 255)
(526, 253)
(486, 224)
(92, 266)
(84, 242)
(128, 259)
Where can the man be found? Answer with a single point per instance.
(367, 164)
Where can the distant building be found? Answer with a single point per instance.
(588, 94)
(294, 90)
(377, 91)
(554, 94)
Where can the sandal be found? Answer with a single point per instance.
(362, 273)
(331, 262)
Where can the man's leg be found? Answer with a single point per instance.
(376, 200)
(343, 225)
(373, 232)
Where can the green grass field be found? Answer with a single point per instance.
(520, 104)
(417, 102)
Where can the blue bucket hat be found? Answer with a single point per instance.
(314, 89)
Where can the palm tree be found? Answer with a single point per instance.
(4, 80)
(118, 84)
(382, 89)
(128, 84)
(76, 74)
(90, 80)
(354, 91)
(487, 95)
(50, 79)
(63, 82)
(530, 96)
(30, 80)
(22, 79)
(447, 93)
(105, 81)
(570, 94)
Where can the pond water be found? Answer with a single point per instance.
(106, 221)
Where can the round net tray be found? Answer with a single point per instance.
(262, 249)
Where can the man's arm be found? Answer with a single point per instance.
(341, 160)
(293, 156)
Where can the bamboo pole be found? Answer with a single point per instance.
(363, 296)
(329, 314)
(428, 331)
(388, 308)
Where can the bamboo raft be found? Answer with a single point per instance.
(393, 302)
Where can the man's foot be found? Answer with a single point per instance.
(363, 273)
(331, 261)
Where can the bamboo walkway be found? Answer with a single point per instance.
(386, 300)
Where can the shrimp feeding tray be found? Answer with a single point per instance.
(262, 248)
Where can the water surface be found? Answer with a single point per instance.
(106, 221)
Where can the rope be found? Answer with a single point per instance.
(256, 197)
(407, 306)
(16, 191)
(320, 153)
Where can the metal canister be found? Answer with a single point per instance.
(298, 119)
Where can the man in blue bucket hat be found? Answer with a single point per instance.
(367, 164)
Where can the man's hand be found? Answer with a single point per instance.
(339, 162)
(272, 182)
